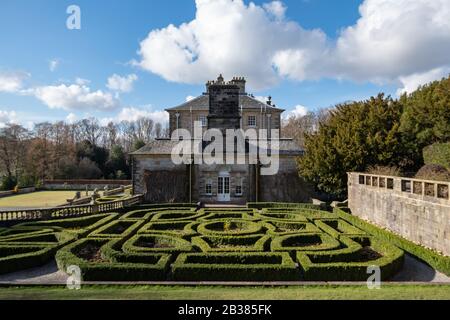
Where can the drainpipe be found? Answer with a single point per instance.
(190, 180)
(192, 124)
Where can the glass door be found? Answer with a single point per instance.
(223, 188)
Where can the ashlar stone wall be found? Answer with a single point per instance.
(417, 210)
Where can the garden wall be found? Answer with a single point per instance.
(81, 184)
(418, 210)
(20, 191)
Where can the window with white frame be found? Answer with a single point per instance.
(251, 121)
(208, 187)
(203, 120)
(238, 189)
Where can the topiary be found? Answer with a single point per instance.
(433, 172)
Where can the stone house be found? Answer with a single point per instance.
(223, 106)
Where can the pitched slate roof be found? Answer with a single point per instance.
(165, 147)
(155, 147)
(202, 103)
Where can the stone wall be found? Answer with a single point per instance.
(82, 184)
(286, 186)
(242, 174)
(143, 163)
(418, 210)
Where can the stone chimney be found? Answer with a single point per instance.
(236, 81)
(240, 82)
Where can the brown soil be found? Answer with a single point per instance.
(151, 244)
(368, 254)
(118, 229)
(303, 244)
(91, 253)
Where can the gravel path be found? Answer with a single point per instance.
(413, 271)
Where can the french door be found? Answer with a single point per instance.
(223, 188)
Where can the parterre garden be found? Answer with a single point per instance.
(177, 243)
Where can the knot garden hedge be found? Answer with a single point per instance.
(177, 243)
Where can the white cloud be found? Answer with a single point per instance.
(53, 64)
(276, 8)
(189, 98)
(133, 114)
(298, 111)
(12, 81)
(82, 82)
(74, 97)
(226, 37)
(412, 82)
(122, 84)
(7, 117)
(71, 118)
(391, 41)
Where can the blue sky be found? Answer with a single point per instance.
(314, 53)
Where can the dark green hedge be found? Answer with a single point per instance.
(80, 225)
(154, 267)
(148, 213)
(279, 228)
(281, 216)
(162, 244)
(177, 215)
(345, 266)
(261, 205)
(304, 242)
(117, 228)
(259, 242)
(183, 229)
(433, 258)
(338, 227)
(24, 251)
(235, 267)
(230, 227)
(227, 215)
(25, 257)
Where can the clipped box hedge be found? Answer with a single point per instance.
(261, 205)
(21, 251)
(177, 215)
(148, 213)
(349, 266)
(338, 227)
(433, 258)
(123, 268)
(279, 228)
(304, 242)
(230, 227)
(234, 267)
(183, 229)
(240, 215)
(81, 226)
(156, 243)
(117, 229)
(232, 244)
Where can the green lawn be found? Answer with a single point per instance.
(38, 199)
(310, 292)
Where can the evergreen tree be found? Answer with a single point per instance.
(356, 135)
